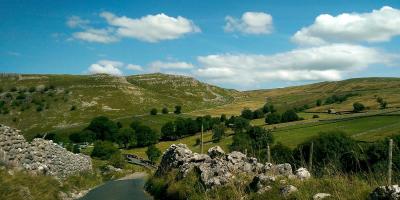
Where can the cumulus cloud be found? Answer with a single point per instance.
(329, 62)
(377, 26)
(111, 67)
(166, 65)
(106, 67)
(151, 28)
(76, 21)
(96, 35)
(250, 23)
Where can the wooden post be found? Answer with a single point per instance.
(268, 154)
(390, 162)
(202, 129)
(310, 158)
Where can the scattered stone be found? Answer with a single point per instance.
(288, 190)
(386, 193)
(302, 173)
(319, 196)
(261, 181)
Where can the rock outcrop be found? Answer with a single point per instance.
(40, 156)
(217, 168)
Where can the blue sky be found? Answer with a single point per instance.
(234, 44)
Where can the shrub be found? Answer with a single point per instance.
(289, 116)
(72, 108)
(273, 118)
(315, 116)
(222, 118)
(153, 111)
(281, 154)
(103, 150)
(117, 160)
(39, 108)
(178, 110)
(13, 89)
(318, 102)
(153, 153)
(358, 107)
(247, 114)
(32, 89)
(165, 110)
(76, 149)
(126, 137)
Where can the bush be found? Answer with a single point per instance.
(153, 111)
(358, 107)
(73, 108)
(168, 131)
(32, 89)
(76, 149)
(104, 150)
(145, 136)
(247, 114)
(165, 111)
(315, 116)
(117, 160)
(13, 89)
(178, 110)
(318, 102)
(126, 137)
(153, 153)
(273, 118)
(289, 116)
(281, 154)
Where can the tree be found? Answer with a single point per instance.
(180, 127)
(289, 116)
(257, 114)
(222, 118)
(265, 108)
(319, 102)
(126, 137)
(76, 149)
(192, 126)
(218, 132)
(32, 89)
(260, 138)
(153, 153)
(247, 114)
(104, 128)
(145, 136)
(358, 107)
(281, 154)
(382, 103)
(168, 131)
(103, 150)
(165, 110)
(240, 124)
(178, 110)
(153, 111)
(273, 118)
(83, 136)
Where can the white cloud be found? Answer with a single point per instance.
(76, 21)
(134, 67)
(160, 65)
(106, 67)
(377, 26)
(151, 28)
(250, 23)
(96, 35)
(330, 62)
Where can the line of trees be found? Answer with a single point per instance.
(178, 110)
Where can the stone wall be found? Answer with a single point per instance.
(39, 156)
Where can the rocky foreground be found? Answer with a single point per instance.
(40, 156)
(216, 169)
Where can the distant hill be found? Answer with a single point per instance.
(39, 103)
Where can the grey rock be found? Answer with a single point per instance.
(302, 173)
(288, 190)
(215, 152)
(386, 193)
(319, 196)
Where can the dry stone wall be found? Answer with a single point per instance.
(39, 156)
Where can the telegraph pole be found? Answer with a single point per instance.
(201, 144)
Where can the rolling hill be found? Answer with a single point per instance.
(41, 103)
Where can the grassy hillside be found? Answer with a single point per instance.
(50, 104)
(366, 91)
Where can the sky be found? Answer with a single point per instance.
(233, 44)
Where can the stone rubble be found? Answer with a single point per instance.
(217, 168)
(320, 196)
(40, 156)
